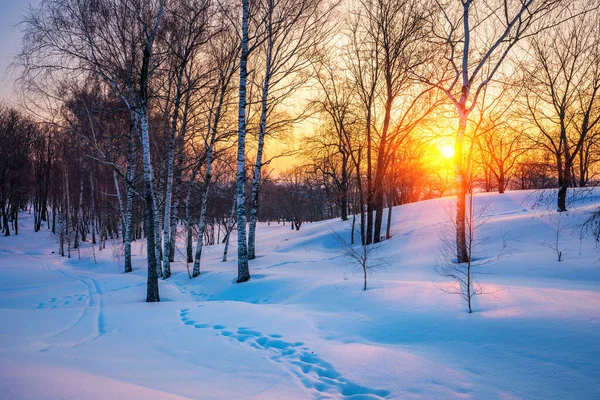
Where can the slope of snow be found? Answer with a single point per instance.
(302, 327)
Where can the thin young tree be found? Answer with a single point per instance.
(225, 52)
(292, 29)
(187, 30)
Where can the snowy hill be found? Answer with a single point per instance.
(302, 327)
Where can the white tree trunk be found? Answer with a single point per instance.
(177, 188)
(170, 164)
(243, 272)
(125, 210)
(129, 205)
(79, 224)
(167, 206)
(202, 221)
(93, 212)
(158, 236)
(120, 200)
(229, 227)
(261, 141)
(259, 154)
(153, 266)
(188, 216)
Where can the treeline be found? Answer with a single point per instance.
(47, 172)
(158, 118)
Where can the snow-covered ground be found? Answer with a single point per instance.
(302, 327)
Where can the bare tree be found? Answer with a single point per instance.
(563, 93)
(115, 40)
(395, 103)
(243, 271)
(498, 139)
(475, 38)
(334, 147)
(225, 52)
(361, 255)
(292, 30)
(187, 30)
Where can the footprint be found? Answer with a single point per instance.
(247, 331)
(288, 352)
(243, 338)
(312, 371)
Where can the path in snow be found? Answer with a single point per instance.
(313, 371)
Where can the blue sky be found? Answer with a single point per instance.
(11, 13)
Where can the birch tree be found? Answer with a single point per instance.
(94, 115)
(475, 38)
(243, 271)
(224, 52)
(292, 30)
(187, 27)
(114, 39)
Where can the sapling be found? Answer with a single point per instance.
(555, 244)
(465, 274)
(360, 255)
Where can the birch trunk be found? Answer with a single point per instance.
(61, 244)
(129, 205)
(229, 228)
(208, 180)
(126, 210)
(120, 201)
(259, 150)
(202, 221)
(167, 205)
(158, 236)
(79, 223)
(188, 217)
(177, 188)
(93, 218)
(153, 268)
(170, 163)
(66, 214)
(243, 272)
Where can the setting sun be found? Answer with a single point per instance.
(447, 151)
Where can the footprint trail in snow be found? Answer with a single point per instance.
(314, 372)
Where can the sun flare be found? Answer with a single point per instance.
(447, 151)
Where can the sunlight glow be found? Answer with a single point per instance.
(447, 151)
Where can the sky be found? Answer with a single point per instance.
(10, 41)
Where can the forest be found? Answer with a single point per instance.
(249, 166)
(150, 120)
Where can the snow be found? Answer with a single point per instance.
(302, 327)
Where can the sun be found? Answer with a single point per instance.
(447, 151)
